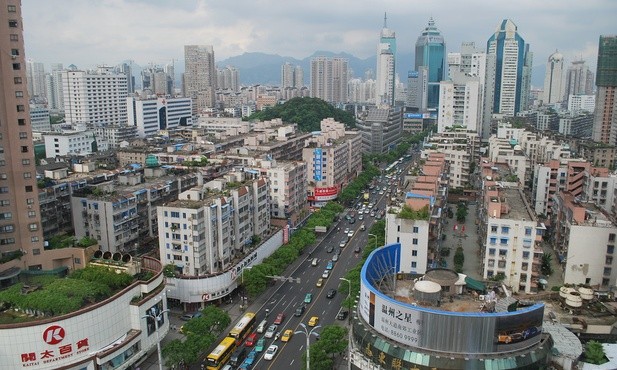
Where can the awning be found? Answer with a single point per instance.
(475, 284)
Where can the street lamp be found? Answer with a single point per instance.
(156, 329)
(348, 293)
(308, 336)
(375, 236)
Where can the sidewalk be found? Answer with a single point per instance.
(466, 235)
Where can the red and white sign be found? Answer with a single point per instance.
(54, 334)
(325, 194)
(205, 297)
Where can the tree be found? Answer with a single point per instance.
(594, 353)
(461, 212)
(546, 267)
(332, 342)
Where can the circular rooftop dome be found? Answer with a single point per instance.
(427, 286)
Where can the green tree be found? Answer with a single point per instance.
(332, 342)
(594, 353)
(546, 266)
(461, 212)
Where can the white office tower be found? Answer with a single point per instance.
(579, 79)
(329, 78)
(417, 89)
(200, 75)
(386, 65)
(36, 79)
(94, 97)
(553, 80)
(465, 92)
(160, 113)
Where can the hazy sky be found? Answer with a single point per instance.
(88, 32)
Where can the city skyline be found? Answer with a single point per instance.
(65, 31)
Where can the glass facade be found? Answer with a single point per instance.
(431, 53)
(607, 62)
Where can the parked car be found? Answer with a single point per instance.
(342, 315)
(279, 319)
(331, 293)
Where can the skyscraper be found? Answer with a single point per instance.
(386, 65)
(20, 219)
(431, 53)
(605, 116)
(36, 79)
(579, 79)
(553, 79)
(512, 69)
(329, 78)
(417, 85)
(200, 74)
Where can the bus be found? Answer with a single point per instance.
(243, 327)
(221, 354)
(367, 196)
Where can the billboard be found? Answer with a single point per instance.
(451, 332)
(317, 164)
(413, 115)
(325, 194)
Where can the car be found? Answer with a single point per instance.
(299, 311)
(350, 233)
(188, 316)
(271, 330)
(352, 220)
(250, 359)
(357, 249)
(251, 340)
(335, 258)
(261, 343)
(348, 217)
(361, 217)
(326, 274)
(346, 230)
(372, 214)
(342, 244)
(271, 352)
(287, 335)
(331, 293)
(313, 321)
(279, 319)
(367, 211)
(330, 249)
(362, 227)
(330, 265)
(308, 298)
(371, 205)
(319, 283)
(337, 251)
(315, 261)
(342, 315)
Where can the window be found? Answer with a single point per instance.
(413, 265)
(24, 149)
(607, 271)
(19, 94)
(14, 37)
(25, 161)
(493, 228)
(608, 260)
(503, 252)
(21, 108)
(7, 241)
(414, 253)
(505, 229)
(611, 237)
(415, 229)
(610, 249)
(4, 189)
(501, 264)
(31, 213)
(528, 231)
(414, 241)
(526, 255)
(23, 135)
(503, 241)
(14, 52)
(5, 203)
(30, 201)
(16, 66)
(491, 251)
(34, 239)
(491, 263)
(12, 23)
(21, 121)
(17, 80)
(6, 216)
(28, 188)
(175, 214)
(36, 251)
(11, 8)
(493, 240)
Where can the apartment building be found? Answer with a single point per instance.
(511, 249)
(600, 154)
(460, 148)
(584, 239)
(77, 140)
(208, 227)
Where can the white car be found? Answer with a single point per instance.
(325, 274)
(350, 233)
(271, 330)
(271, 351)
(366, 211)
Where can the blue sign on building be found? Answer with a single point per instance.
(317, 160)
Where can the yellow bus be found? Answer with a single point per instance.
(243, 328)
(220, 355)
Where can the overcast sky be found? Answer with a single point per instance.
(87, 33)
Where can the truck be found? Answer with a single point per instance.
(321, 229)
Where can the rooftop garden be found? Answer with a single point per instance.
(409, 213)
(45, 296)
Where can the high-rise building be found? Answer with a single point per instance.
(431, 53)
(553, 79)
(298, 77)
(417, 89)
(95, 97)
(287, 75)
(513, 63)
(329, 78)
(228, 78)
(200, 75)
(386, 65)
(36, 79)
(125, 69)
(20, 219)
(605, 116)
(161, 113)
(579, 79)
(468, 90)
